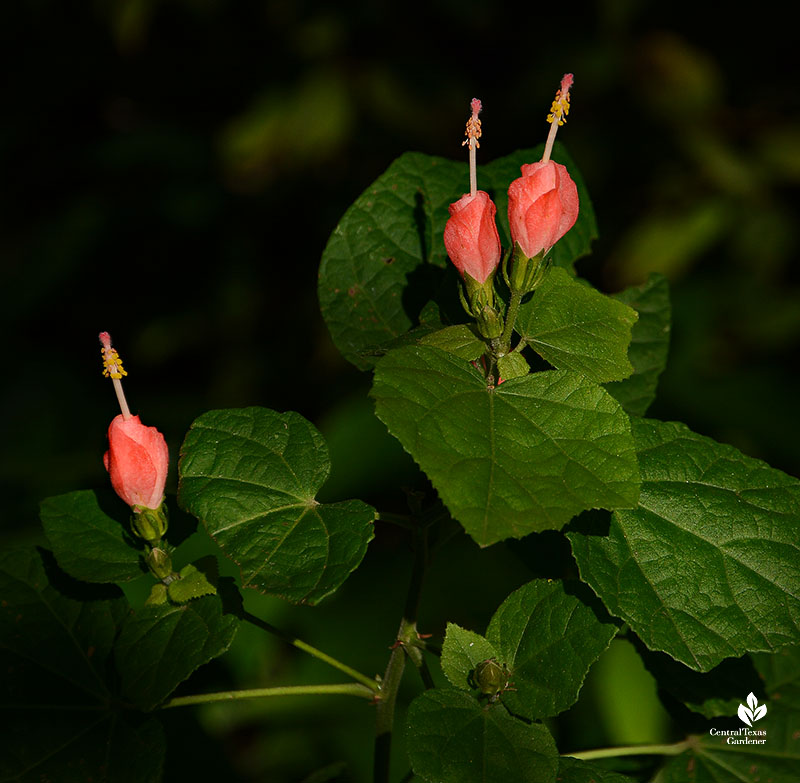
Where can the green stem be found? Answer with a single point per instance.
(406, 646)
(511, 319)
(384, 714)
(632, 750)
(346, 689)
(301, 645)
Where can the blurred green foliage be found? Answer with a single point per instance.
(172, 169)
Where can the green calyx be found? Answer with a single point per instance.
(480, 303)
(159, 563)
(525, 274)
(150, 523)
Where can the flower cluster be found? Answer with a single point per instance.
(542, 207)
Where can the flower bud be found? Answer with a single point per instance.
(542, 206)
(137, 461)
(159, 563)
(471, 237)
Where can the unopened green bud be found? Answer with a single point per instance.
(489, 322)
(527, 274)
(490, 677)
(159, 563)
(150, 523)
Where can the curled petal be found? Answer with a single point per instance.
(542, 206)
(137, 461)
(471, 238)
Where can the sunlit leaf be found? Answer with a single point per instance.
(706, 567)
(522, 457)
(577, 328)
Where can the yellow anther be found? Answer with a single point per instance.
(473, 131)
(112, 364)
(560, 106)
(559, 110)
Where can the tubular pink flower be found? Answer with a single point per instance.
(471, 238)
(137, 461)
(542, 206)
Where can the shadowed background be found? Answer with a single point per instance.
(172, 169)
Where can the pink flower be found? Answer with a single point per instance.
(137, 461)
(471, 237)
(542, 206)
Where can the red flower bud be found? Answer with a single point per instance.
(542, 206)
(471, 237)
(137, 461)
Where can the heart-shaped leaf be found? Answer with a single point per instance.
(706, 567)
(507, 461)
(549, 639)
(251, 475)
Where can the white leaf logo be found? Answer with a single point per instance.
(752, 712)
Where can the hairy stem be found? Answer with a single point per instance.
(346, 689)
(307, 648)
(511, 319)
(632, 750)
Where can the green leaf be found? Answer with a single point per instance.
(459, 340)
(522, 457)
(196, 580)
(160, 646)
(512, 365)
(577, 328)
(451, 738)
(386, 256)
(87, 543)
(649, 344)
(251, 475)
(57, 693)
(575, 771)
(549, 639)
(462, 651)
(706, 567)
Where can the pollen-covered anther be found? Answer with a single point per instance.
(473, 131)
(560, 106)
(112, 364)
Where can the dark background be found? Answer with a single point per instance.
(172, 169)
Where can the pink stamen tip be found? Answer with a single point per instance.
(566, 83)
(476, 106)
(105, 339)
